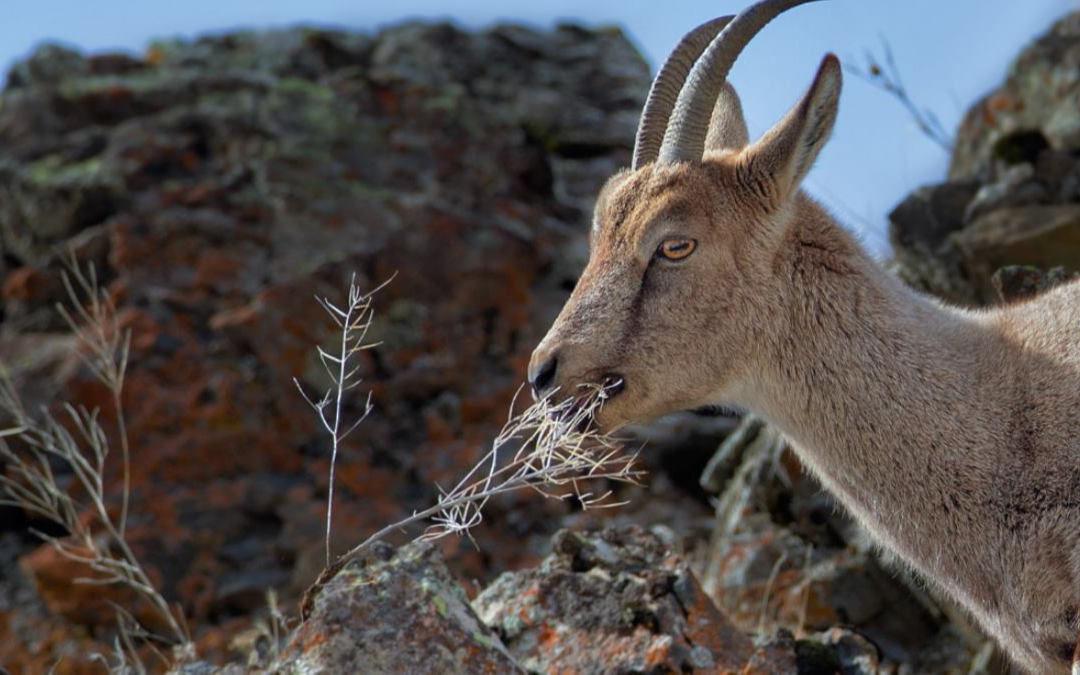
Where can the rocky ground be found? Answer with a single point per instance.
(219, 184)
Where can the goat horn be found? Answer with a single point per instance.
(666, 87)
(685, 136)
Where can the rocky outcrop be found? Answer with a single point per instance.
(1038, 106)
(1013, 196)
(218, 185)
(1043, 236)
(394, 611)
(616, 600)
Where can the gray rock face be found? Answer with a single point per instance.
(1018, 282)
(615, 601)
(394, 612)
(1041, 94)
(1039, 236)
(920, 230)
(1014, 182)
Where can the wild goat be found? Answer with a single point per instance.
(952, 435)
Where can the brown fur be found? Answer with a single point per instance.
(952, 435)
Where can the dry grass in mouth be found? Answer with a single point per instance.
(551, 448)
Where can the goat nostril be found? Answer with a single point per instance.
(543, 376)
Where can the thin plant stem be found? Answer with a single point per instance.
(75, 436)
(93, 321)
(354, 322)
(121, 427)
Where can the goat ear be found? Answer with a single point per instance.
(783, 156)
(727, 128)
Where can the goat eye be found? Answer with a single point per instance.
(676, 249)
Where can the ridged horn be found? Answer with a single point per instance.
(666, 87)
(684, 139)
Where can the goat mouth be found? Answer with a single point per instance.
(612, 385)
(609, 386)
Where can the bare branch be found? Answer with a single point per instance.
(887, 78)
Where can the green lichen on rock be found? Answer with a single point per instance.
(221, 182)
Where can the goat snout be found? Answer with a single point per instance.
(542, 369)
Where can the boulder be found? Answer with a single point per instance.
(218, 184)
(920, 230)
(614, 601)
(1037, 106)
(1013, 182)
(1018, 282)
(1043, 236)
(392, 612)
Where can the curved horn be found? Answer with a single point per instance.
(666, 87)
(684, 139)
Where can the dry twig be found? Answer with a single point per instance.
(75, 437)
(105, 347)
(887, 78)
(343, 371)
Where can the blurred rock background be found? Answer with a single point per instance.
(219, 184)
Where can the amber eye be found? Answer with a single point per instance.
(676, 249)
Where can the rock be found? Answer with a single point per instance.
(784, 557)
(1042, 236)
(920, 230)
(50, 64)
(930, 214)
(56, 579)
(28, 626)
(855, 654)
(814, 658)
(47, 203)
(1015, 174)
(1015, 187)
(218, 184)
(1018, 282)
(774, 652)
(1037, 106)
(394, 611)
(614, 601)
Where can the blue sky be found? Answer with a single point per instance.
(949, 52)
